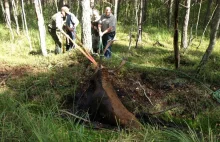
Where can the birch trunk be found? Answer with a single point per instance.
(25, 25)
(86, 25)
(184, 40)
(115, 13)
(15, 13)
(41, 26)
(197, 23)
(139, 33)
(208, 12)
(6, 12)
(170, 13)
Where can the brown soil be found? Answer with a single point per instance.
(7, 71)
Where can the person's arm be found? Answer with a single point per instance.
(99, 29)
(59, 24)
(75, 20)
(107, 30)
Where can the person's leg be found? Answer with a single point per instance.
(68, 42)
(55, 37)
(95, 43)
(108, 51)
(104, 42)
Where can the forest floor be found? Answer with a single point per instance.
(147, 85)
(167, 95)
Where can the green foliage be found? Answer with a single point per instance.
(37, 87)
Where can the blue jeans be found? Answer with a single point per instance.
(105, 38)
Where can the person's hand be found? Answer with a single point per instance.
(100, 34)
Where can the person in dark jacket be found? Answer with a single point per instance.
(95, 32)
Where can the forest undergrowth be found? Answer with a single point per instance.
(35, 90)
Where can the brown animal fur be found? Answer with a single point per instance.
(110, 107)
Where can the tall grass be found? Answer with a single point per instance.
(30, 101)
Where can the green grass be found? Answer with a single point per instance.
(37, 87)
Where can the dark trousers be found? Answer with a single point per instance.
(54, 34)
(105, 38)
(69, 44)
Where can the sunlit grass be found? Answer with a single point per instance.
(30, 103)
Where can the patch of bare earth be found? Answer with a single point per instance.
(180, 97)
(8, 71)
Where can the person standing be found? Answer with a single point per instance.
(70, 25)
(55, 28)
(107, 25)
(95, 32)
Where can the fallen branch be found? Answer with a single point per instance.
(74, 115)
(144, 92)
(165, 110)
(138, 82)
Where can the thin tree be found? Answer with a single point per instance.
(115, 12)
(55, 1)
(140, 21)
(170, 12)
(15, 14)
(197, 23)
(86, 25)
(78, 7)
(25, 25)
(213, 34)
(6, 12)
(145, 6)
(184, 40)
(176, 35)
(208, 12)
(41, 26)
(203, 33)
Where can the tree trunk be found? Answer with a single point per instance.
(41, 26)
(86, 25)
(56, 4)
(170, 12)
(145, 5)
(78, 7)
(213, 34)
(25, 25)
(197, 23)
(6, 13)
(208, 12)
(136, 11)
(15, 13)
(116, 9)
(175, 39)
(139, 33)
(184, 40)
(115, 14)
(60, 4)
